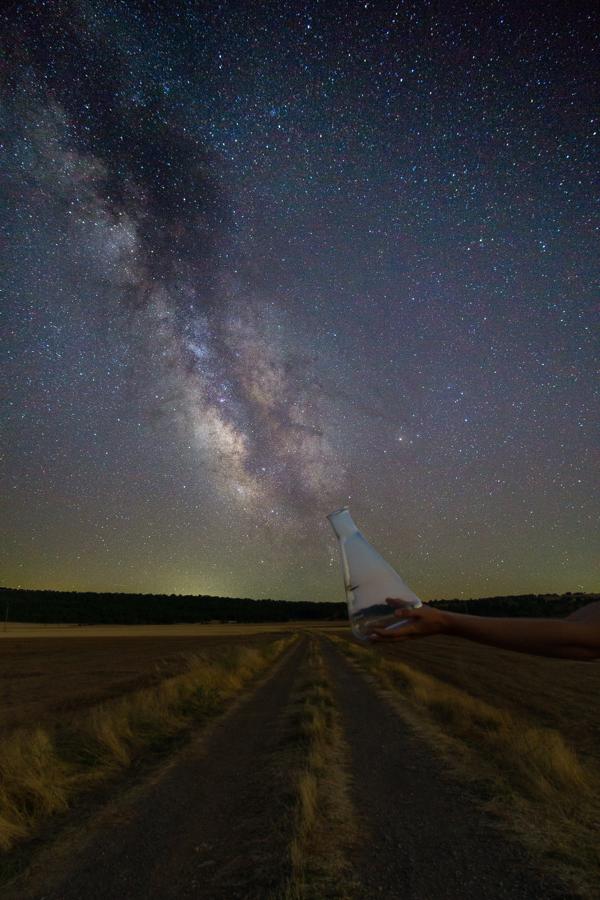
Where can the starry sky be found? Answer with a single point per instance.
(262, 260)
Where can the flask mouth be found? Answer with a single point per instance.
(342, 523)
(337, 511)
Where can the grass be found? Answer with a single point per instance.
(44, 769)
(323, 829)
(551, 693)
(536, 782)
(37, 683)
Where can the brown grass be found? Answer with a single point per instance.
(44, 679)
(536, 781)
(43, 769)
(550, 693)
(324, 828)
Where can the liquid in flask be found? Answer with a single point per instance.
(368, 580)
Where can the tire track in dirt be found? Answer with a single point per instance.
(218, 822)
(215, 826)
(424, 837)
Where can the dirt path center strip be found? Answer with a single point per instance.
(212, 827)
(424, 838)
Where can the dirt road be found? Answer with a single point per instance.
(217, 822)
(426, 838)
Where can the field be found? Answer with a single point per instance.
(306, 766)
(552, 693)
(524, 729)
(47, 671)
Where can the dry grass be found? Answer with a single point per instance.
(551, 693)
(537, 783)
(324, 827)
(44, 679)
(43, 769)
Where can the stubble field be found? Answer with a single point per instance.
(321, 757)
(558, 694)
(48, 671)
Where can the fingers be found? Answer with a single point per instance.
(401, 610)
(393, 601)
(394, 634)
(407, 612)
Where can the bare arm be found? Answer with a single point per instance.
(576, 637)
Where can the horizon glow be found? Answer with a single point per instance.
(266, 263)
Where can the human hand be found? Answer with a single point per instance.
(422, 622)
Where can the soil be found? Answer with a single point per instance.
(424, 836)
(561, 694)
(37, 682)
(215, 824)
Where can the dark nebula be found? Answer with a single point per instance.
(262, 260)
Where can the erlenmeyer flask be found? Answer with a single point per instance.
(368, 580)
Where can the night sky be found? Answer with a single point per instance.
(266, 259)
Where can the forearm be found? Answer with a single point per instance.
(546, 637)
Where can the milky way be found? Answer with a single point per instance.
(265, 260)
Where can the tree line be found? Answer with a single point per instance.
(522, 605)
(87, 608)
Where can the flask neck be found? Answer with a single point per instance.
(342, 522)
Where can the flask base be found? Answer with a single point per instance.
(363, 627)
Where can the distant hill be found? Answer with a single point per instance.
(150, 609)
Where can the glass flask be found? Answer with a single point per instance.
(368, 580)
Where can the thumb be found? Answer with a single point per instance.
(396, 602)
(405, 612)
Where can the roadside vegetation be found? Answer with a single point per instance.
(323, 829)
(535, 782)
(44, 769)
